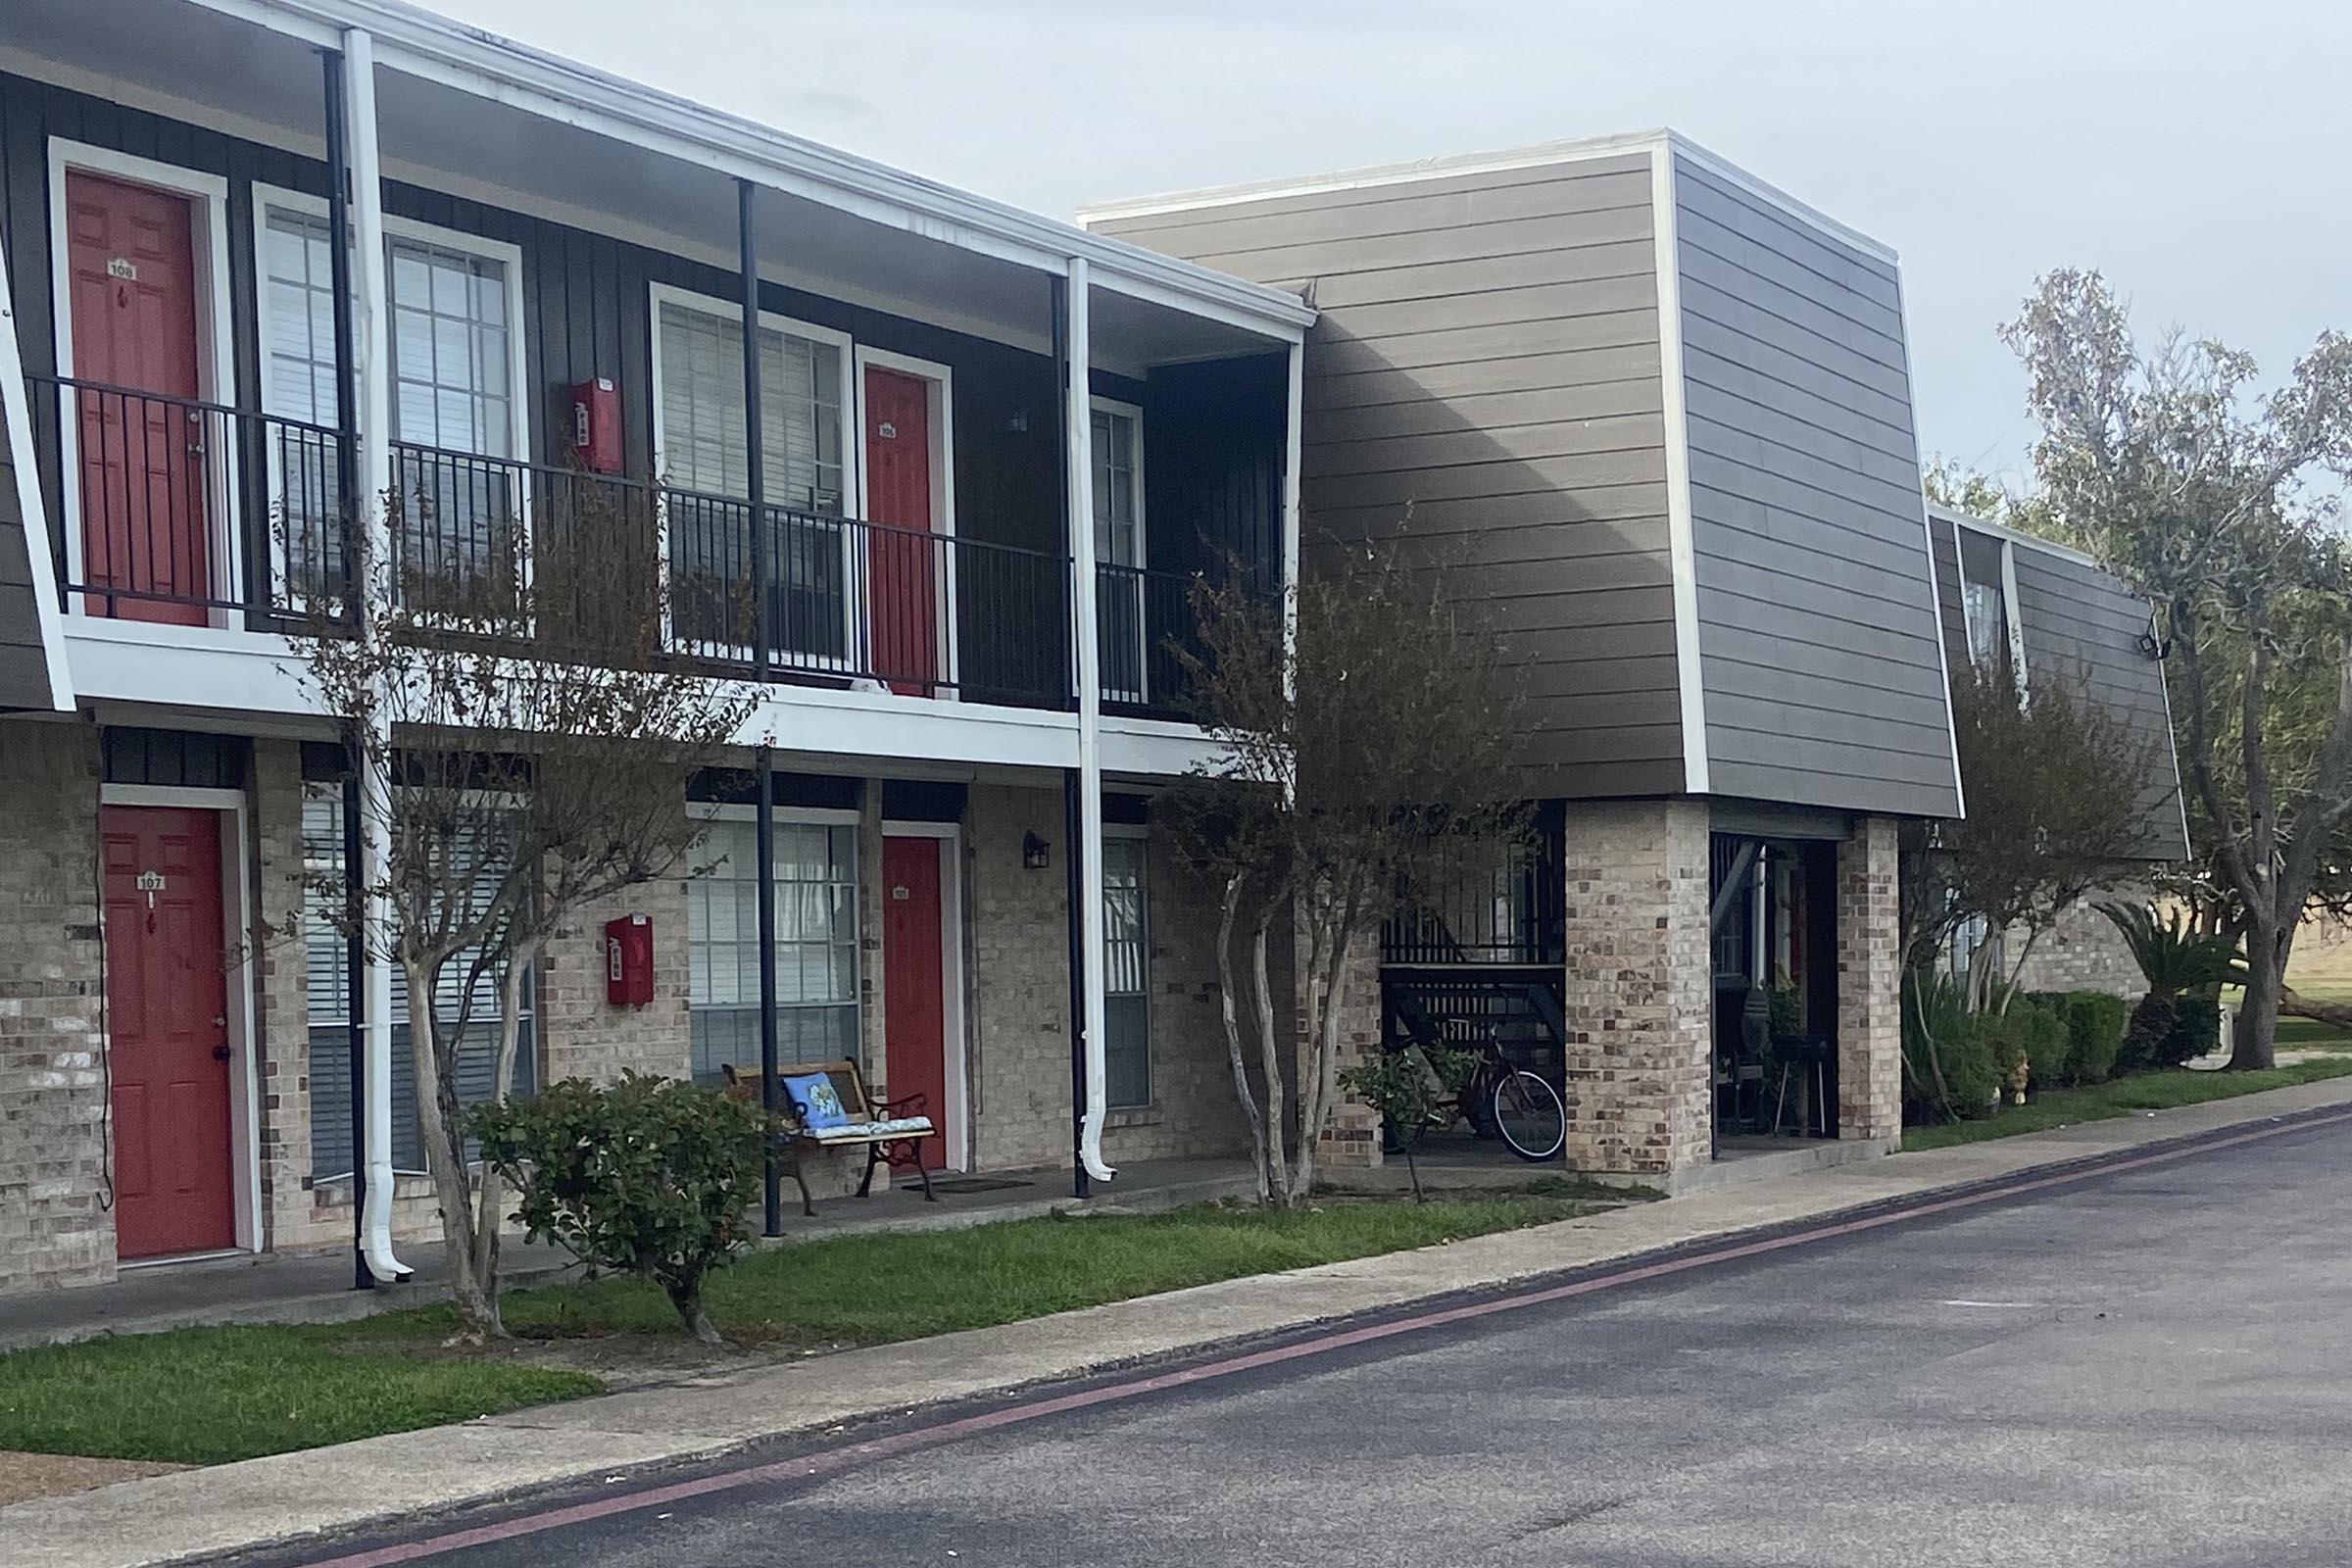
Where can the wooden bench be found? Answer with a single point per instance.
(891, 1131)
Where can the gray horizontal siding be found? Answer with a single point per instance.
(2081, 629)
(1484, 383)
(1819, 661)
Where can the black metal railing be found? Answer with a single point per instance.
(1145, 624)
(1488, 907)
(920, 613)
(175, 510)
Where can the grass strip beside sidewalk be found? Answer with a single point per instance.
(209, 1395)
(2124, 1096)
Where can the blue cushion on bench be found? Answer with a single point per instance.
(817, 1101)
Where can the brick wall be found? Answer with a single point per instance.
(582, 1034)
(54, 1226)
(1637, 993)
(1017, 1013)
(1351, 1136)
(2084, 950)
(1870, 1036)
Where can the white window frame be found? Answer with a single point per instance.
(1143, 549)
(2008, 589)
(1141, 835)
(207, 196)
(702, 814)
(852, 455)
(941, 381)
(519, 392)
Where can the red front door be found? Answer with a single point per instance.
(166, 1004)
(131, 261)
(914, 983)
(908, 565)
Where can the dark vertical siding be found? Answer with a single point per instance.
(1485, 381)
(1950, 613)
(1818, 628)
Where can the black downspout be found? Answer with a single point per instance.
(347, 511)
(1073, 817)
(764, 812)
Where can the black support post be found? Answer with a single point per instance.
(764, 812)
(347, 513)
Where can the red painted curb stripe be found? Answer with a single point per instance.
(832, 1461)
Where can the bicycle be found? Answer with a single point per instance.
(1499, 1098)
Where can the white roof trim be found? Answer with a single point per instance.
(2009, 535)
(420, 43)
(1541, 154)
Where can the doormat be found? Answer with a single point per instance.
(975, 1183)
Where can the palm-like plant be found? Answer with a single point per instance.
(2176, 960)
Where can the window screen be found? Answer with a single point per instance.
(1127, 972)
(817, 945)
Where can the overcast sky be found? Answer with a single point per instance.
(2193, 151)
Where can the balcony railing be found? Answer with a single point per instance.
(185, 512)
(158, 494)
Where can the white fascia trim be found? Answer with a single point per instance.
(2008, 535)
(474, 60)
(48, 614)
(1682, 549)
(2172, 743)
(2017, 623)
(1926, 534)
(1539, 155)
(1372, 176)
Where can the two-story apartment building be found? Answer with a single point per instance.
(990, 451)
(1655, 417)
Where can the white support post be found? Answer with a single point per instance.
(1078, 400)
(1295, 405)
(371, 313)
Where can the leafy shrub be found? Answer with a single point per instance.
(1948, 1065)
(2196, 1027)
(2007, 1038)
(1406, 1087)
(646, 1175)
(2049, 1040)
(2147, 1038)
(2095, 1020)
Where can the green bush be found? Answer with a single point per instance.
(2147, 1038)
(2049, 1040)
(646, 1175)
(2095, 1020)
(2008, 1040)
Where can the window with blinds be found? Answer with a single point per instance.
(816, 948)
(298, 383)
(703, 446)
(327, 977)
(453, 415)
(1122, 633)
(703, 451)
(1126, 971)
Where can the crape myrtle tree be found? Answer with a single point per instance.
(2054, 814)
(2220, 503)
(523, 736)
(1366, 749)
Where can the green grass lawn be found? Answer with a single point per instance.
(205, 1395)
(2146, 1090)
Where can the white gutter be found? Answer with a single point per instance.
(420, 43)
(372, 376)
(1079, 441)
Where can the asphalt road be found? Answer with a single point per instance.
(2145, 1367)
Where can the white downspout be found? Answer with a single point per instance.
(372, 376)
(1081, 479)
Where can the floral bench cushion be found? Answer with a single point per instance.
(859, 1132)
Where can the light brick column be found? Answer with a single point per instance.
(282, 1002)
(54, 1227)
(1639, 992)
(1351, 1136)
(1870, 1033)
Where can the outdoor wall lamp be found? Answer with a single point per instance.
(1036, 852)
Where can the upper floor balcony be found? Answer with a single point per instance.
(975, 430)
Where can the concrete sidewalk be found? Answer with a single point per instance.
(226, 1507)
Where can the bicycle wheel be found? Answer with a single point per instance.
(1529, 1117)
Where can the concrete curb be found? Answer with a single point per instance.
(265, 1501)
